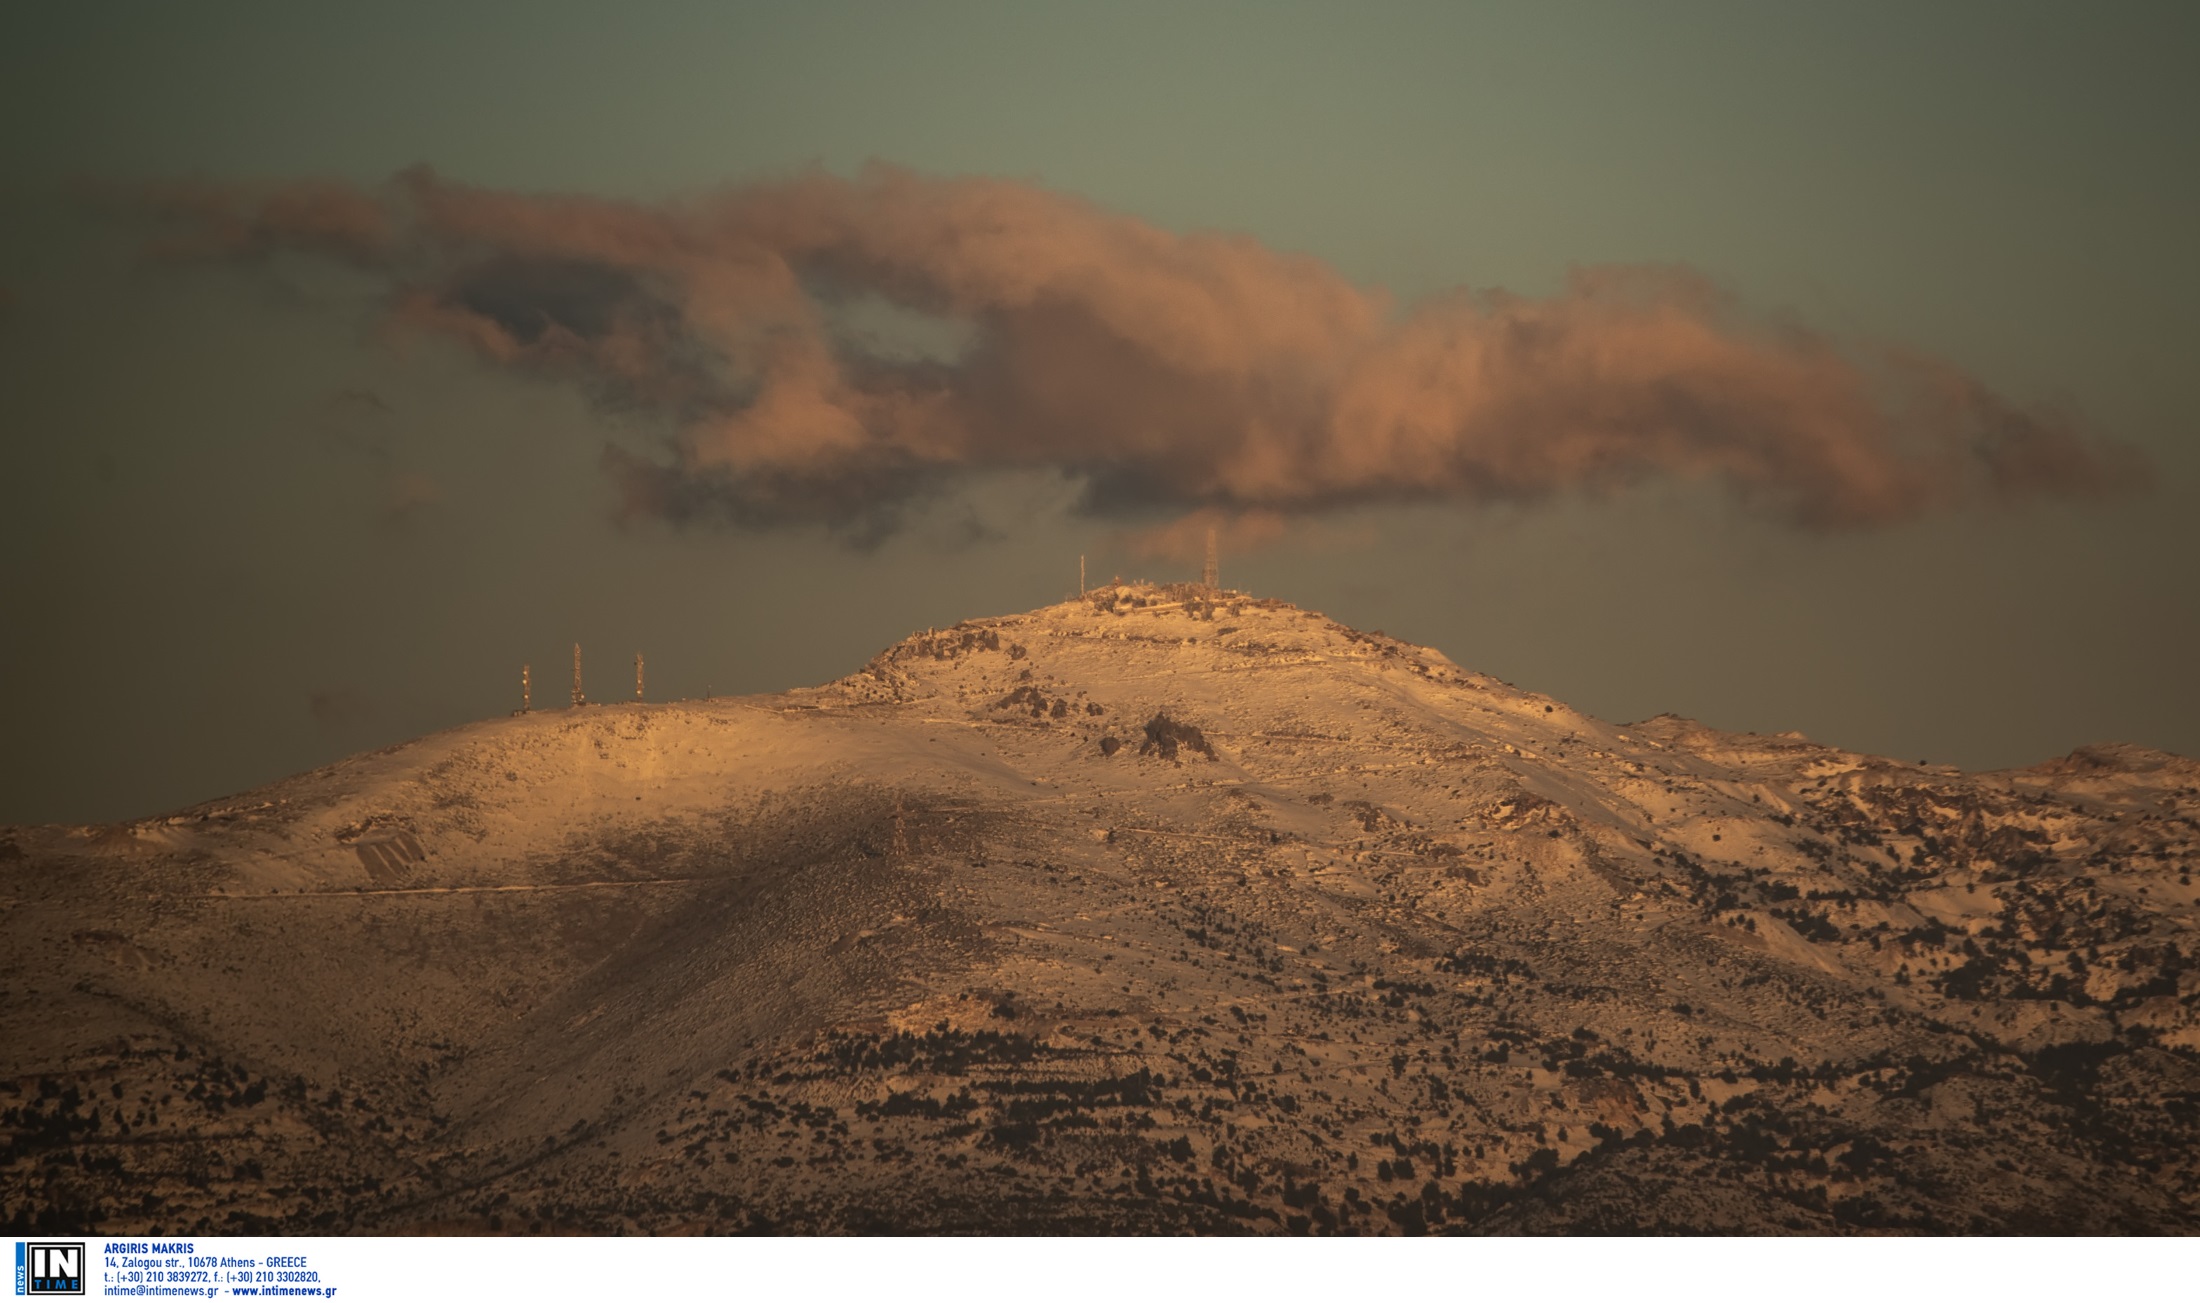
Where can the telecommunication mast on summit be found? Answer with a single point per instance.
(1210, 577)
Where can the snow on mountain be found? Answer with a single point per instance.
(1162, 909)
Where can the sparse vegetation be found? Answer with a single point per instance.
(1165, 737)
(1426, 955)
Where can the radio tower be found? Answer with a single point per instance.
(1080, 574)
(637, 676)
(578, 699)
(1211, 574)
(526, 689)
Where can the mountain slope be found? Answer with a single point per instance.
(1163, 909)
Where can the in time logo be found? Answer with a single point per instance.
(48, 1267)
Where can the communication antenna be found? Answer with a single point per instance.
(1080, 574)
(637, 676)
(578, 699)
(1212, 574)
(526, 689)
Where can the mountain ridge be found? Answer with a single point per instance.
(1162, 908)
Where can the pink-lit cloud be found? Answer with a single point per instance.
(1183, 372)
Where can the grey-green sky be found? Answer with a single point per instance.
(251, 527)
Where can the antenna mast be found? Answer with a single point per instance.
(526, 689)
(578, 699)
(637, 676)
(1210, 577)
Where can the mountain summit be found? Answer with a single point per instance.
(1163, 909)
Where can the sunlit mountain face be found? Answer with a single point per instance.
(1162, 909)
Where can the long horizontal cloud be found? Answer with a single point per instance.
(1196, 372)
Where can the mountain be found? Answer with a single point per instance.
(1166, 909)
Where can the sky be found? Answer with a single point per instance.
(1819, 368)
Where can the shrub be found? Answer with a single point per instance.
(1165, 736)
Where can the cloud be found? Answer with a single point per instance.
(338, 709)
(407, 494)
(1185, 538)
(357, 421)
(1166, 372)
(358, 403)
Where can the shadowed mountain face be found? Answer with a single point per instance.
(1165, 909)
